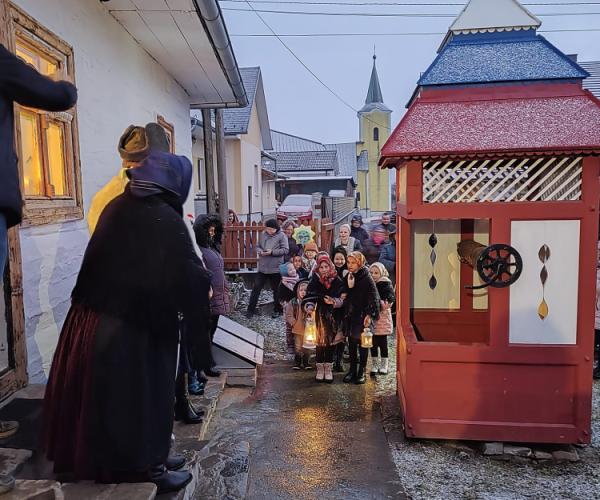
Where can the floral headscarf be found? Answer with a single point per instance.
(360, 258)
(328, 278)
(385, 275)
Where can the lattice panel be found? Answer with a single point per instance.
(511, 179)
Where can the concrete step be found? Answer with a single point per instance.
(52, 490)
(219, 468)
(208, 402)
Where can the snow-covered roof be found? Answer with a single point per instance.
(494, 15)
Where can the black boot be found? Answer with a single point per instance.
(306, 361)
(175, 462)
(360, 376)
(212, 372)
(183, 408)
(351, 375)
(166, 481)
(297, 362)
(338, 365)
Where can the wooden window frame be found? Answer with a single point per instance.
(40, 210)
(169, 129)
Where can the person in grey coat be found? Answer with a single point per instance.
(388, 255)
(271, 249)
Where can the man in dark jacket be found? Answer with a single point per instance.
(357, 231)
(271, 249)
(22, 84)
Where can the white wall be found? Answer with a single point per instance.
(118, 84)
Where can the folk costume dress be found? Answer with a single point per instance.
(108, 409)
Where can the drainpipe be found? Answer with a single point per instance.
(214, 25)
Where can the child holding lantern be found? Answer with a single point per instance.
(384, 325)
(324, 290)
(295, 318)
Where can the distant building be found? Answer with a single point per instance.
(375, 127)
(592, 82)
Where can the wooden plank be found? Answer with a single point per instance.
(238, 346)
(241, 332)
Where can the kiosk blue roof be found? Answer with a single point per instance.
(499, 57)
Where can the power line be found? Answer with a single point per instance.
(387, 14)
(403, 4)
(335, 94)
(418, 33)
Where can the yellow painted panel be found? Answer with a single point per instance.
(446, 295)
(482, 235)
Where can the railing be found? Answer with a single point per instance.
(241, 240)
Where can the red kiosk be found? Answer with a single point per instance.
(497, 175)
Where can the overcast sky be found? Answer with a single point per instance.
(298, 104)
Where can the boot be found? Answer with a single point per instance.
(212, 372)
(360, 376)
(385, 363)
(328, 377)
(338, 366)
(320, 372)
(175, 462)
(297, 362)
(351, 375)
(306, 361)
(183, 408)
(167, 481)
(374, 366)
(195, 387)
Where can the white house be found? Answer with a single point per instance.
(133, 61)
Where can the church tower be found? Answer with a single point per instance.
(374, 129)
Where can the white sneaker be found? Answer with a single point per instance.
(374, 366)
(328, 372)
(320, 372)
(384, 365)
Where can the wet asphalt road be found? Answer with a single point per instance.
(310, 440)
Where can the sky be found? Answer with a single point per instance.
(298, 104)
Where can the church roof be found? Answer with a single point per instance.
(374, 98)
(494, 15)
(499, 57)
(549, 119)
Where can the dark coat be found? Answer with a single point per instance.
(22, 84)
(386, 292)
(109, 399)
(362, 300)
(293, 249)
(326, 319)
(388, 258)
(371, 251)
(360, 233)
(220, 301)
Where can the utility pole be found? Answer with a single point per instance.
(221, 166)
(211, 200)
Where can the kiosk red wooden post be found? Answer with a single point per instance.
(497, 155)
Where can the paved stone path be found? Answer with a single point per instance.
(311, 440)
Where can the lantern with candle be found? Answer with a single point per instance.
(310, 328)
(366, 338)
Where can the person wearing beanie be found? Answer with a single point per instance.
(271, 249)
(357, 231)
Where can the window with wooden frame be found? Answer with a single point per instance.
(170, 130)
(47, 142)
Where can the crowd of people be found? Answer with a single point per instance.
(341, 291)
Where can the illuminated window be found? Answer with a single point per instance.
(47, 142)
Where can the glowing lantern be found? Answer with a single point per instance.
(310, 333)
(366, 338)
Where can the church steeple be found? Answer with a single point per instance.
(374, 94)
(374, 98)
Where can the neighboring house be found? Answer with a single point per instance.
(592, 82)
(247, 134)
(374, 184)
(133, 62)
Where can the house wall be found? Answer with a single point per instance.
(243, 157)
(268, 197)
(118, 84)
(379, 195)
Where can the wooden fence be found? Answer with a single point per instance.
(241, 240)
